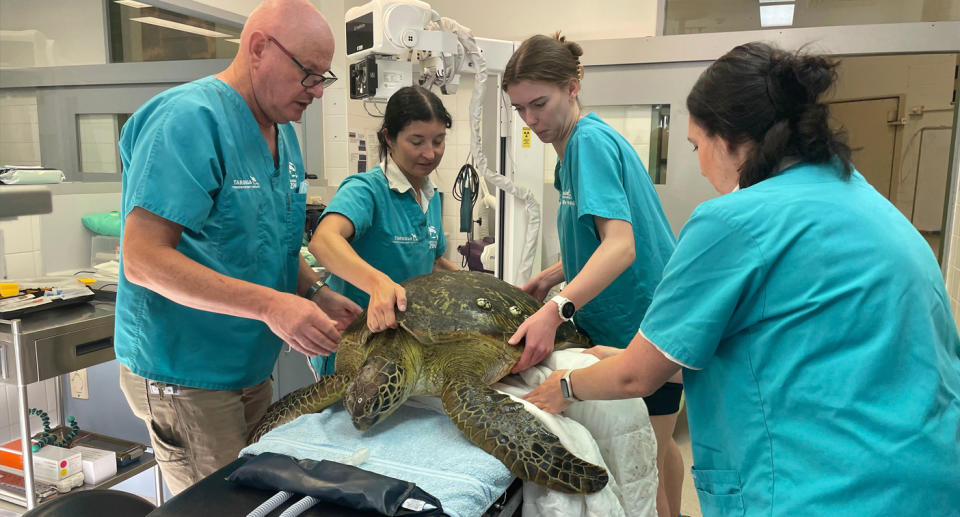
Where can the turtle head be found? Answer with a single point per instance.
(378, 389)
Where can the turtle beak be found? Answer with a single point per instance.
(363, 423)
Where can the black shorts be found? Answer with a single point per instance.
(666, 400)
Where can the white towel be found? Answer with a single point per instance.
(615, 434)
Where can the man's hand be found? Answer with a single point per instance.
(337, 306)
(386, 297)
(539, 332)
(301, 324)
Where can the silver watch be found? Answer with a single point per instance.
(312, 290)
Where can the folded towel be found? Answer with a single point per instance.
(15, 175)
(413, 444)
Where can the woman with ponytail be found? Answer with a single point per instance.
(385, 225)
(821, 361)
(614, 237)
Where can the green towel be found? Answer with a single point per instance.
(105, 223)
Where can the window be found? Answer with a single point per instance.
(97, 136)
(139, 31)
(698, 16)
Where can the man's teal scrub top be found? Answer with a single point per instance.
(195, 156)
(392, 233)
(823, 361)
(601, 175)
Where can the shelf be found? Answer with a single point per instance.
(147, 461)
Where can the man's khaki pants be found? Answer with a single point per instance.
(194, 432)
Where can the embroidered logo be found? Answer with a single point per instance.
(566, 198)
(245, 184)
(294, 181)
(406, 239)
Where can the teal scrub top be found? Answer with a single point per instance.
(823, 361)
(391, 233)
(601, 175)
(195, 156)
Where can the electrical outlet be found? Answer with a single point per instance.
(78, 384)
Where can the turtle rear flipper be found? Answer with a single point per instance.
(309, 399)
(503, 428)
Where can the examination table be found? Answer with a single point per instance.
(616, 434)
(214, 496)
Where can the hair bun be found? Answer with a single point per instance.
(571, 46)
(815, 73)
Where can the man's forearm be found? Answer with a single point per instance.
(172, 274)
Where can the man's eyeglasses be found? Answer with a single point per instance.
(311, 78)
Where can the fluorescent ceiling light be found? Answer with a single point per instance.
(153, 20)
(777, 1)
(234, 40)
(776, 15)
(132, 3)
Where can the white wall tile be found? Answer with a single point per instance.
(336, 156)
(334, 102)
(37, 395)
(21, 265)
(52, 405)
(18, 235)
(11, 408)
(22, 132)
(4, 413)
(335, 129)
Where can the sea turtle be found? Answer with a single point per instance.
(451, 342)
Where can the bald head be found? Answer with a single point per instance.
(296, 23)
(282, 44)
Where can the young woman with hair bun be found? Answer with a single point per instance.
(819, 353)
(614, 237)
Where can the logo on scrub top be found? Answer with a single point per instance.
(293, 175)
(566, 198)
(245, 184)
(406, 239)
(433, 235)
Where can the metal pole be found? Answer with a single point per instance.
(25, 443)
(158, 481)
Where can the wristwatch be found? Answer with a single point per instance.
(566, 388)
(566, 307)
(319, 284)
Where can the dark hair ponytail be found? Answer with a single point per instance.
(408, 104)
(760, 94)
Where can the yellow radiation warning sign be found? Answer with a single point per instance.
(525, 137)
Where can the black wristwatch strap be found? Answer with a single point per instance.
(314, 288)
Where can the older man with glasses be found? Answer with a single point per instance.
(214, 204)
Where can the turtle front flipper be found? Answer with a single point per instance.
(513, 435)
(309, 399)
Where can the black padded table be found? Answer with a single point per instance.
(214, 496)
